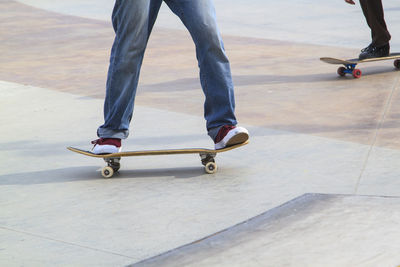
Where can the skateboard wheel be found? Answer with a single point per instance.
(357, 73)
(341, 71)
(397, 63)
(107, 172)
(211, 167)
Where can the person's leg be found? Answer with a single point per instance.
(132, 22)
(379, 46)
(374, 14)
(215, 75)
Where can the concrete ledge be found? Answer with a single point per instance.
(311, 230)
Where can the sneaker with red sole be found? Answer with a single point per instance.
(106, 146)
(230, 135)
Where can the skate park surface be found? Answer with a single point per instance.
(318, 185)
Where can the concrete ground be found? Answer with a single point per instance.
(318, 184)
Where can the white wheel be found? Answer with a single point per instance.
(107, 172)
(211, 167)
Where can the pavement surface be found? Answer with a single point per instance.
(318, 184)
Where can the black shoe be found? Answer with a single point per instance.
(372, 51)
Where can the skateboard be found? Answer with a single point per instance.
(350, 64)
(113, 160)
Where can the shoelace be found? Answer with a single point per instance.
(97, 141)
(107, 141)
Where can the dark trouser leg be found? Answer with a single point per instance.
(373, 12)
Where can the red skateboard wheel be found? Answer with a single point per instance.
(357, 73)
(341, 72)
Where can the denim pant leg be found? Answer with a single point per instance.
(132, 22)
(215, 75)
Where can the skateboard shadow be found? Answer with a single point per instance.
(51, 176)
(86, 173)
(177, 173)
(188, 84)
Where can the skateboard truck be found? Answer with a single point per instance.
(113, 166)
(349, 69)
(207, 159)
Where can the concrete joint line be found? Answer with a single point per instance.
(66, 243)
(377, 130)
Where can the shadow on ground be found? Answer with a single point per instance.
(92, 173)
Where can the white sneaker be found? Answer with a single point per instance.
(106, 146)
(230, 135)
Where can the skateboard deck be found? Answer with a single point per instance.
(207, 156)
(350, 64)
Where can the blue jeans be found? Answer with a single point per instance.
(133, 21)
